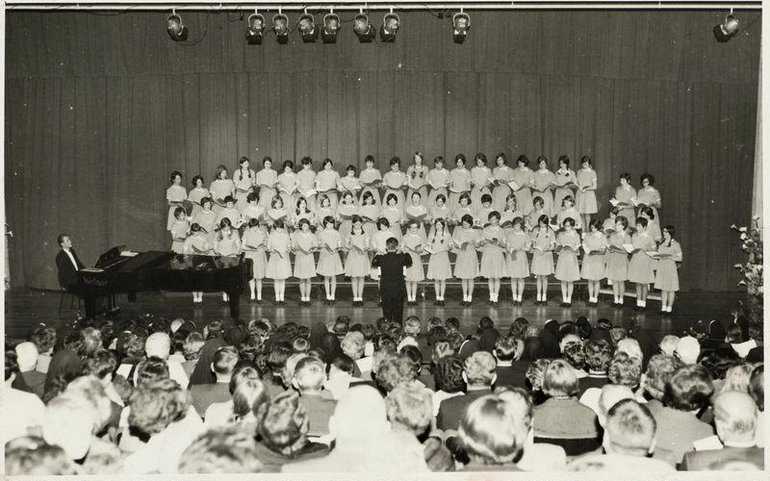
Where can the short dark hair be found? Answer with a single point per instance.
(631, 428)
(224, 360)
(391, 244)
(448, 374)
(690, 388)
(757, 386)
(30, 455)
(660, 368)
(625, 370)
(505, 348)
(597, 355)
(100, 364)
(151, 369)
(559, 379)
(60, 238)
(282, 423)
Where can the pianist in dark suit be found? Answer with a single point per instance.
(392, 284)
(68, 265)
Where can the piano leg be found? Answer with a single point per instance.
(234, 301)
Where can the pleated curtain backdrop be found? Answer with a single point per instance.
(101, 108)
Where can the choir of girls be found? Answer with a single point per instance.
(522, 223)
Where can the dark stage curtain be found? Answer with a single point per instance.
(100, 108)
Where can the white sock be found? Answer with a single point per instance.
(643, 303)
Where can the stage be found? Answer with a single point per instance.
(25, 308)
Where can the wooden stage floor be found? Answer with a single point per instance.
(25, 308)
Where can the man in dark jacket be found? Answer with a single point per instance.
(392, 284)
(68, 265)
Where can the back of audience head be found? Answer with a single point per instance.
(412, 326)
(689, 389)
(102, 365)
(287, 375)
(448, 374)
(486, 323)
(573, 353)
(91, 390)
(688, 350)
(193, 345)
(436, 334)
(568, 339)
(659, 371)
(221, 450)
(282, 423)
(597, 356)
(26, 356)
(353, 344)
(625, 369)
(584, 327)
(70, 422)
(718, 361)
(668, 344)
(45, 339)
(519, 328)
(479, 370)
(158, 344)
(734, 334)
(363, 406)
(618, 334)
(629, 429)
(309, 375)
(452, 324)
(735, 417)
(610, 395)
(151, 369)
(157, 404)
(394, 371)
(252, 347)
(738, 377)
(410, 406)
(508, 349)
(225, 359)
(535, 373)
(490, 430)
(92, 340)
(631, 347)
(342, 363)
(441, 350)
(340, 327)
(559, 380)
(33, 456)
(249, 393)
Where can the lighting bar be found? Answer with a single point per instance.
(374, 5)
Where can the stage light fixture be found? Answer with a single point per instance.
(363, 29)
(389, 29)
(461, 23)
(331, 28)
(281, 28)
(727, 29)
(307, 28)
(255, 28)
(175, 28)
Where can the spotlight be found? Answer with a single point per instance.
(363, 29)
(306, 27)
(256, 25)
(175, 28)
(461, 23)
(331, 28)
(281, 28)
(389, 29)
(726, 30)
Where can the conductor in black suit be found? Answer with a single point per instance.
(392, 284)
(68, 265)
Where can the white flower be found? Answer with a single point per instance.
(742, 229)
(743, 236)
(742, 283)
(738, 266)
(733, 226)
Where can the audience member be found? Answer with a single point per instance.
(26, 355)
(44, 339)
(688, 350)
(628, 441)
(510, 370)
(282, 428)
(735, 416)
(32, 456)
(479, 376)
(204, 395)
(221, 450)
(668, 344)
(597, 361)
(757, 392)
(686, 393)
(561, 416)
(19, 410)
(659, 371)
(309, 377)
(449, 380)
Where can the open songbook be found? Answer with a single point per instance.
(513, 185)
(418, 217)
(637, 202)
(565, 248)
(630, 248)
(464, 244)
(658, 255)
(282, 188)
(617, 203)
(372, 183)
(276, 214)
(308, 193)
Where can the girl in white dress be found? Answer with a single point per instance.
(414, 244)
(244, 179)
(480, 178)
(371, 180)
(327, 182)
(220, 188)
(357, 264)
(306, 178)
(175, 195)
(279, 264)
(267, 181)
(304, 245)
(227, 244)
(288, 183)
(179, 230)
(329, 262)
(417, 176)
(438, 180)
(439, 268)
(254, 245)
(197, 244)
(395, 182)
(196, 194)
(502, 174)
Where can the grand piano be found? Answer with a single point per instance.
(120, 271)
